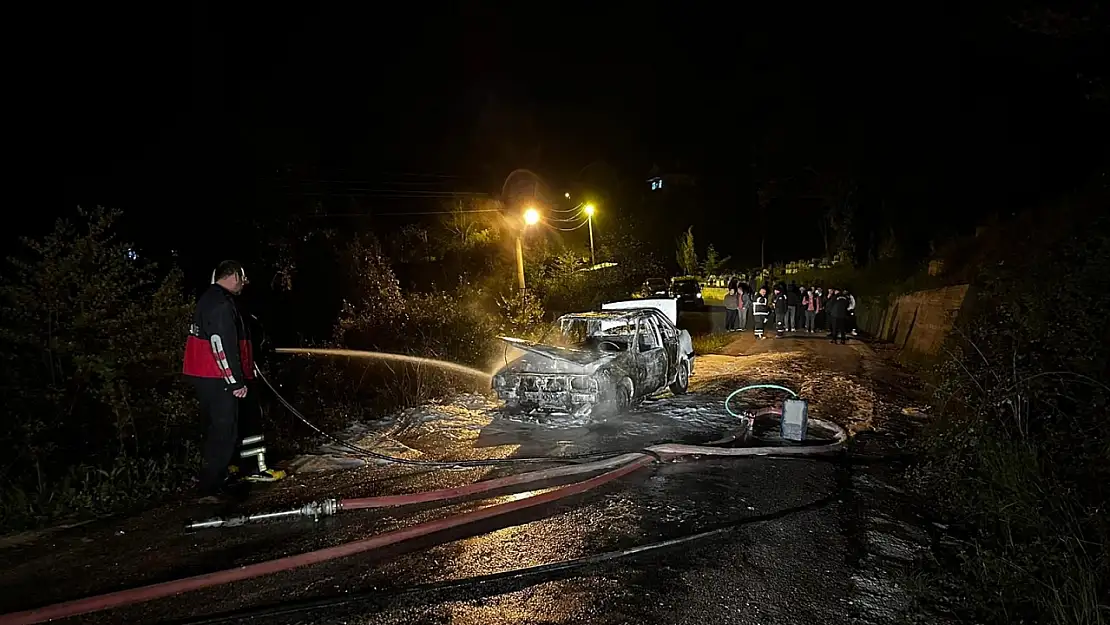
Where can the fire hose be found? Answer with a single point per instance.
(368, 453)
(468, 584)
(614, 468)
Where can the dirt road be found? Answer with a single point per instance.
(812, 542)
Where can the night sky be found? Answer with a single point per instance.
(944, 116)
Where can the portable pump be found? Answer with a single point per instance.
(795, 419)
(794, 423)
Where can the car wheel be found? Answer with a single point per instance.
(681, 378)
(623, 399)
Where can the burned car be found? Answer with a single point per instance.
(608, 360)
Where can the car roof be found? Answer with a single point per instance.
(605, 314)
(624, 313)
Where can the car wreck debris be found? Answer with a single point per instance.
(608, 359)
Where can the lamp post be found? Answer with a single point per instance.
(530, 217)
(589, 209)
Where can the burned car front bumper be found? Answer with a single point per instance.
(547, 390)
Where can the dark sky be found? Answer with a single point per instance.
(944, 116)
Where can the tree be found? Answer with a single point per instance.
(92, 343)
(411, 244)
(687, 254)
(888, 245)
(836, 191)
(839, 197)
(470, 221)
(1069, 34)
(713, 264)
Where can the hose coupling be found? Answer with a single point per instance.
(315, 509)
(324, 507)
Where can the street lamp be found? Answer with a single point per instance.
(589, 209)
(531, 217)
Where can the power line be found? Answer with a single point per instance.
(420, 175)
(371, 214)
(566, 210)
(363, 184)
(413, 193)
(574, 218)
(574, 228)
(381, 174)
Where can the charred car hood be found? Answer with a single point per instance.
(542, 358)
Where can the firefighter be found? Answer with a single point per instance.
(838, 315)
(760, 310)
(781, 311)
(219, 363)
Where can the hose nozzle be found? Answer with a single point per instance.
(315, 509)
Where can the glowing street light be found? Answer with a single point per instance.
(589, 209)
(531, 217)
(567, 195)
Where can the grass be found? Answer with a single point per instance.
(1015, 463)
(711, 343)
(88, 491)
(713, 295)
(1023, 543)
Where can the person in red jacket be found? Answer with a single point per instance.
(219, 363)
(811, 302)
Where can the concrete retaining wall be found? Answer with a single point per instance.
(918, 321)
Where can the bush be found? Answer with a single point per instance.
(564, 286)
(521, 315)
(445, 325)
(91, 343)
(1020, 459)
(378, 317)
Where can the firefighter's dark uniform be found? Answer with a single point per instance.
(781, 309)
(218, 360)
(838, 318)
(760, 309)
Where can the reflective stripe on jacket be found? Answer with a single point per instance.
(219, 344)
(759, 306)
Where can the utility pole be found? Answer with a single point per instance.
(593, 261)
(520, 259)
(520, 246)
(590, 209)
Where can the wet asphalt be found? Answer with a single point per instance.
(787, 540)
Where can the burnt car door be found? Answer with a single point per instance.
(651, 357)
(670, 344)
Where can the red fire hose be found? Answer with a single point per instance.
(387, 501)
(165, 589)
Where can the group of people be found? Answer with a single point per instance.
(790, 308)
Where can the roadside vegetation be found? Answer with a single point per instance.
(711, 343)
(96, 418)
(1018, 459)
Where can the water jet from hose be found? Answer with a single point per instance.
(417, 360)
